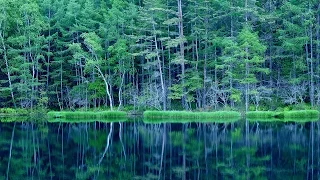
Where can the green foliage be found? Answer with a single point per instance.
(301, 114)
(251, 52)
(261, 114)
(301, 106)
(61, 54)
(292, 115)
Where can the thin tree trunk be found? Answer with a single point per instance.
(7, 67)
(247, 84)
(247, 63)
(61, 86)
(164, 97)
(107, 86)
(311, 66)
(49, 51)
(120, 91)
(318, 44)
(181, 53)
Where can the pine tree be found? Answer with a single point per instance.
(251, 56)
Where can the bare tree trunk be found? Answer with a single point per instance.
(107, 86)
(7, 66)
(311, 66)
(120, 91)
(247, 84)
(318, 43)
(181, 53)
(164, 97)
(49, 51)
(247, 64)
(230, 66)
(61, 86)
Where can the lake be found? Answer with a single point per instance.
(137, 150)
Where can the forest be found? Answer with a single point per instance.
(160, 54)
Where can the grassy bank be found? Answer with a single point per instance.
(261, 114)
(301, 114)
(86, 114)
(190, 115)
(284, 116)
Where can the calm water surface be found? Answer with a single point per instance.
(138, 150)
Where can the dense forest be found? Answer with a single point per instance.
(159, 54)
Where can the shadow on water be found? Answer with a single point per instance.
(145, 149)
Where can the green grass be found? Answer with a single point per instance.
(261, 114)
(264, 114)
(301, 114)
(86, 114)
(285, 116)
(190, 115)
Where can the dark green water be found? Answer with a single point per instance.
(136, 150)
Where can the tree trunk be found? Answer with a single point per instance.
(120, 91)
(318, 44)
(247, 84)
(164, 97)
(311, 66)
(7, 67)
(107, 86)
(181, 53)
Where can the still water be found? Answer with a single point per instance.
(138, 150)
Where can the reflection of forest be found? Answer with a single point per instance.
(134, 150)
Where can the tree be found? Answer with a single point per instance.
(251, 54)
(3, 18)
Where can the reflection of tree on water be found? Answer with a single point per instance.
(240, 150)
